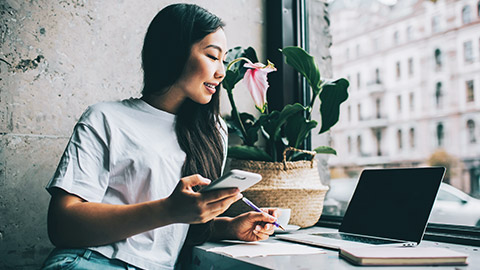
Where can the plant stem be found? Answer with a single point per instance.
(237, 118)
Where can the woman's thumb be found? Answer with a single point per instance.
(197, 180)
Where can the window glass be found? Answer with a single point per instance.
(438, 122)
(470, 91)
(466, 15)
(468, 51)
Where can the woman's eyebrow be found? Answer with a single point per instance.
(214, 46)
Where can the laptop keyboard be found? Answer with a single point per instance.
(357, 238)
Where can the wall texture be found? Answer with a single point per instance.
(56, 58)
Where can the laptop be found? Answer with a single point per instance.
(388, 207)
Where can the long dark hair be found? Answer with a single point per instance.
(166, 49)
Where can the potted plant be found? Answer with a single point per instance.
(289, 173)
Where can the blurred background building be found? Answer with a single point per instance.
(414, 72)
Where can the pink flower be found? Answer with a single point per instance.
(257, 84)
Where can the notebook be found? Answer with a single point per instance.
(403, 256)
(388, 207)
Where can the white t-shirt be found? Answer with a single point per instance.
(126, 152)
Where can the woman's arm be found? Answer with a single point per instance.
(74, 222)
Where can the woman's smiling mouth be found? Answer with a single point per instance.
(210, 87)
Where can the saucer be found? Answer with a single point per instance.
(288, 228)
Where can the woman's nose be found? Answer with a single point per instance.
(220, 73)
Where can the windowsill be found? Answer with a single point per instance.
(204, 259)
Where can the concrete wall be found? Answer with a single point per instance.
(56, 58)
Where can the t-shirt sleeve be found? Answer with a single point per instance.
(84, 167)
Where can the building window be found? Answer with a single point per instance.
(435, 24)
(399, 139)
(438, 95)
(357, 50)
(378, 104)
(349, 113)
(410, 66)
(399, 103)
(409, 33)
(396, 37)
(349, 144)
(375, 44)
(478, 9)
(359, 80)
(471, 131)
(378, 136)
(466, 14)
(440, 134)
(347, 53)
(359, 108)
(411, 136)
(359, 145)
(438, 59)
(397, 68)
(468, 51)
(412, 101)
(377, 76)
(470, 91)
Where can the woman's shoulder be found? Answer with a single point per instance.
(106, 109)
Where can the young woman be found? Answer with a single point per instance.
(122, 195)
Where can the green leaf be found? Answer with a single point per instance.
(325, 150)
(332, 95)
(231, 78)
(304, 63)
(298, 128)
(288, 111)
(248, 153)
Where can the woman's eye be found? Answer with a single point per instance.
(212, 57)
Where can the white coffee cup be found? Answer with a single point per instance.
(283, 216)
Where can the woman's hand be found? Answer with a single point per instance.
(187, 206)
(254, 226)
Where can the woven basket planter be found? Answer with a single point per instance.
(295, 185)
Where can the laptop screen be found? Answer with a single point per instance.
(393, 203)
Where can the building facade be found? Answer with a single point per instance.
(414, 96)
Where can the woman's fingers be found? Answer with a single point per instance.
(220, 194)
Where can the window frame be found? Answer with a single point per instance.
(297, 34)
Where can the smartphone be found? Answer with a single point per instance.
(234, 179)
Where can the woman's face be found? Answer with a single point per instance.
(204, 69)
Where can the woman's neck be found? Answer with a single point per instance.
(166, 102)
